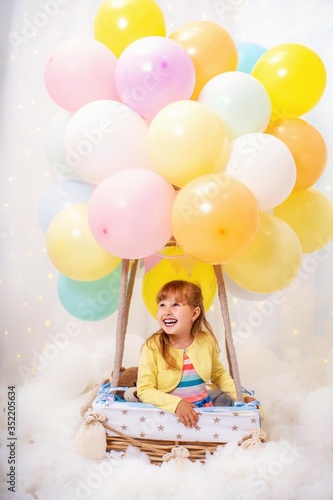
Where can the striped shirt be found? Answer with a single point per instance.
(191, 387)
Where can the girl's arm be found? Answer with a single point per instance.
(147, 383)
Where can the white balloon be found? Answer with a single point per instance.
(104, 137)
(240, 100)
(265, 165)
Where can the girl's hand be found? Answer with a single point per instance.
(186, 413)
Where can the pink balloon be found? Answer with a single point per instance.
(152, 72)
(79, 72)
(129, 213)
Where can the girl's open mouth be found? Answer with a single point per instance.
(169, 322)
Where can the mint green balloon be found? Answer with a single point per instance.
(90, 300)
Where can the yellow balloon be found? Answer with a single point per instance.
(72, 248)
(181, 268)
(273, 260)
(187, 139)
(310, 214)
(215, 218)
(118, 23)
(294, 76)
(211, 47)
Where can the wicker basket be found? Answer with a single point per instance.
(161, 451)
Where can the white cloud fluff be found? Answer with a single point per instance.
(296, 462)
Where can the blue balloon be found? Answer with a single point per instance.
(248, 55)
(59, 196)
(90, 300)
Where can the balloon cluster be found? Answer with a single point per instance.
(188, 138)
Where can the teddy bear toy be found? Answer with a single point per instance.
(128, 378)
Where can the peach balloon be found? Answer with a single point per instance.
(211, 48)
(215, 218)
(307, 147)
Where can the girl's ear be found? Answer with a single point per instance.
(195, 314)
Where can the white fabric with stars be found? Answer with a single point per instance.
(216, 424)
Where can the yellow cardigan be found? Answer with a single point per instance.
(155, 380)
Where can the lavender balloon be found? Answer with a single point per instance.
(152, 72)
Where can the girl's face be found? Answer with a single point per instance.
(175, 317)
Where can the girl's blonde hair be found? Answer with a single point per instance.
(184, 292)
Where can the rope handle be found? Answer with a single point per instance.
(125, 296)
(229, 342)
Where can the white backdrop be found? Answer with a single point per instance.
(273, 341)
